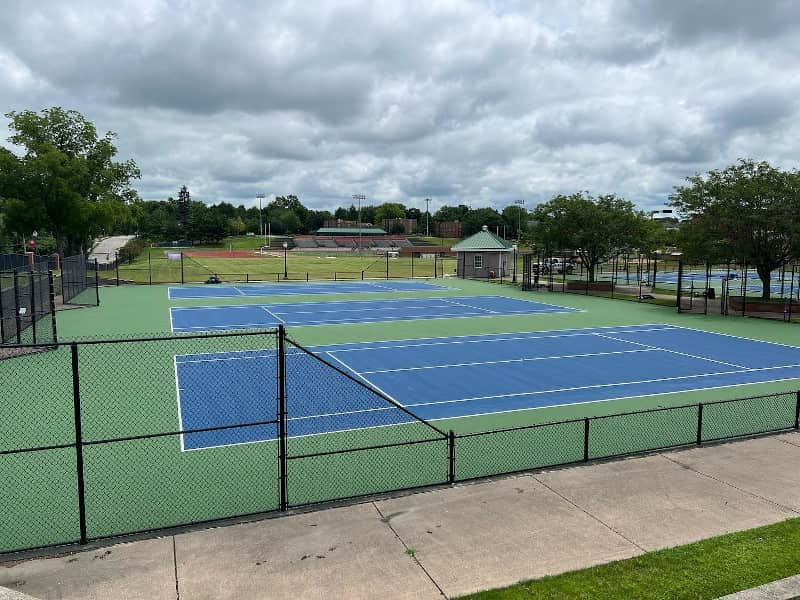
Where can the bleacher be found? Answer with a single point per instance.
(349, 243)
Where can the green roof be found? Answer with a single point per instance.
(350, 231)
(483, 240)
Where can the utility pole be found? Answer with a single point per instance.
(427, 217)
(359, 197)
(521, 204)
(260, 219)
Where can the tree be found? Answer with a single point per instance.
(748, 211)
(236, 225)
(66, 182)
(516, 217)
(451, 213)
(475, 219)
(397, 228)
(185, 213)
(389, 210)
(595, 228)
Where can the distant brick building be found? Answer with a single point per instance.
(409, 225)
(449, 229)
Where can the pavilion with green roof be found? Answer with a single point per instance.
(483, 255)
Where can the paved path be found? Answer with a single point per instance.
(106, 249)
(447, 542)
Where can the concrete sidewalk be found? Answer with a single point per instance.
(447, 542)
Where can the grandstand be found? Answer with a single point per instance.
(349, 243)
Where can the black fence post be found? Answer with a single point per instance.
(97, 281)
(16, 307)
(32, 280)
(51, 284)
(412, 265)
(680, 285)
(451, 456)
(76, 401)
(435, 267)
(182, 277)
(2, 315)
(586, 439)
(797, 412)
(116, 267)
(700, 424)
(387, 264)
(282, 416)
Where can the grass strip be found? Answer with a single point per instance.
(707, 569)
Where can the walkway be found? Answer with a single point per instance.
(451, 541)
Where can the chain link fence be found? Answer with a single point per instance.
(100, 438)
(27, 307)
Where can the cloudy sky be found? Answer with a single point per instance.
(463, 102)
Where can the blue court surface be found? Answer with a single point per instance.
(735, 281)
(256, 316)
(440, 378)
(294, 289)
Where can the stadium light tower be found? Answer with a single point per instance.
(521, 204)
(260, 197)
(427, 217)
(359, 198)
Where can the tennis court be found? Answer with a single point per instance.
(254, 316)
(442, 378)
(735, 281)
(304, 288)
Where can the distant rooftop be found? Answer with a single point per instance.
(483, 240)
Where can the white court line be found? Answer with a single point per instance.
(241, 293)
(171, 325)
(227, 358)
(268, 311)
(178, 397)
(670, 393)
(365, 380)
(695, 356)
(510, 360)
(738, 337)
(406, 319)
(534, 335)
(607, 385)
(470, 306)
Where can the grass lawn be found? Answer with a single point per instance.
(707, 569)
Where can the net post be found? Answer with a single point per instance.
(182, 277)
(149, 268)
(52, 293)
(282, 416)
(700, 424)
(16, 306)
(680, 285)
(451, 456)
(306, 276)
(586, 422)
(76, 402)
(97, 282)
(797, 411)
(412, 265)
(116, 267)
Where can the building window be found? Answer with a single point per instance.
(477, 261)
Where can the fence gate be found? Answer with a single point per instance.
(695, 289)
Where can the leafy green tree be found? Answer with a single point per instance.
(747, 211)
(389, 210)
(451, 213)
(475, 219)
(595, 228)
(66, 181)
(516, 218)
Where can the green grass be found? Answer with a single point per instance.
(704, 570)
(300, 265)
(129, 389)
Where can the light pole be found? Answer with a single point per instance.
(285, 248)
(521, 204)
(514, 277)
(427, 217)
(260, 218)
(359, 198)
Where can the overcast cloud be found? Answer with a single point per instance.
(463, 102)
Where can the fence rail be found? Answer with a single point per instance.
(101, 438)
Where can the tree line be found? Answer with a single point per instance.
(64, 183)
